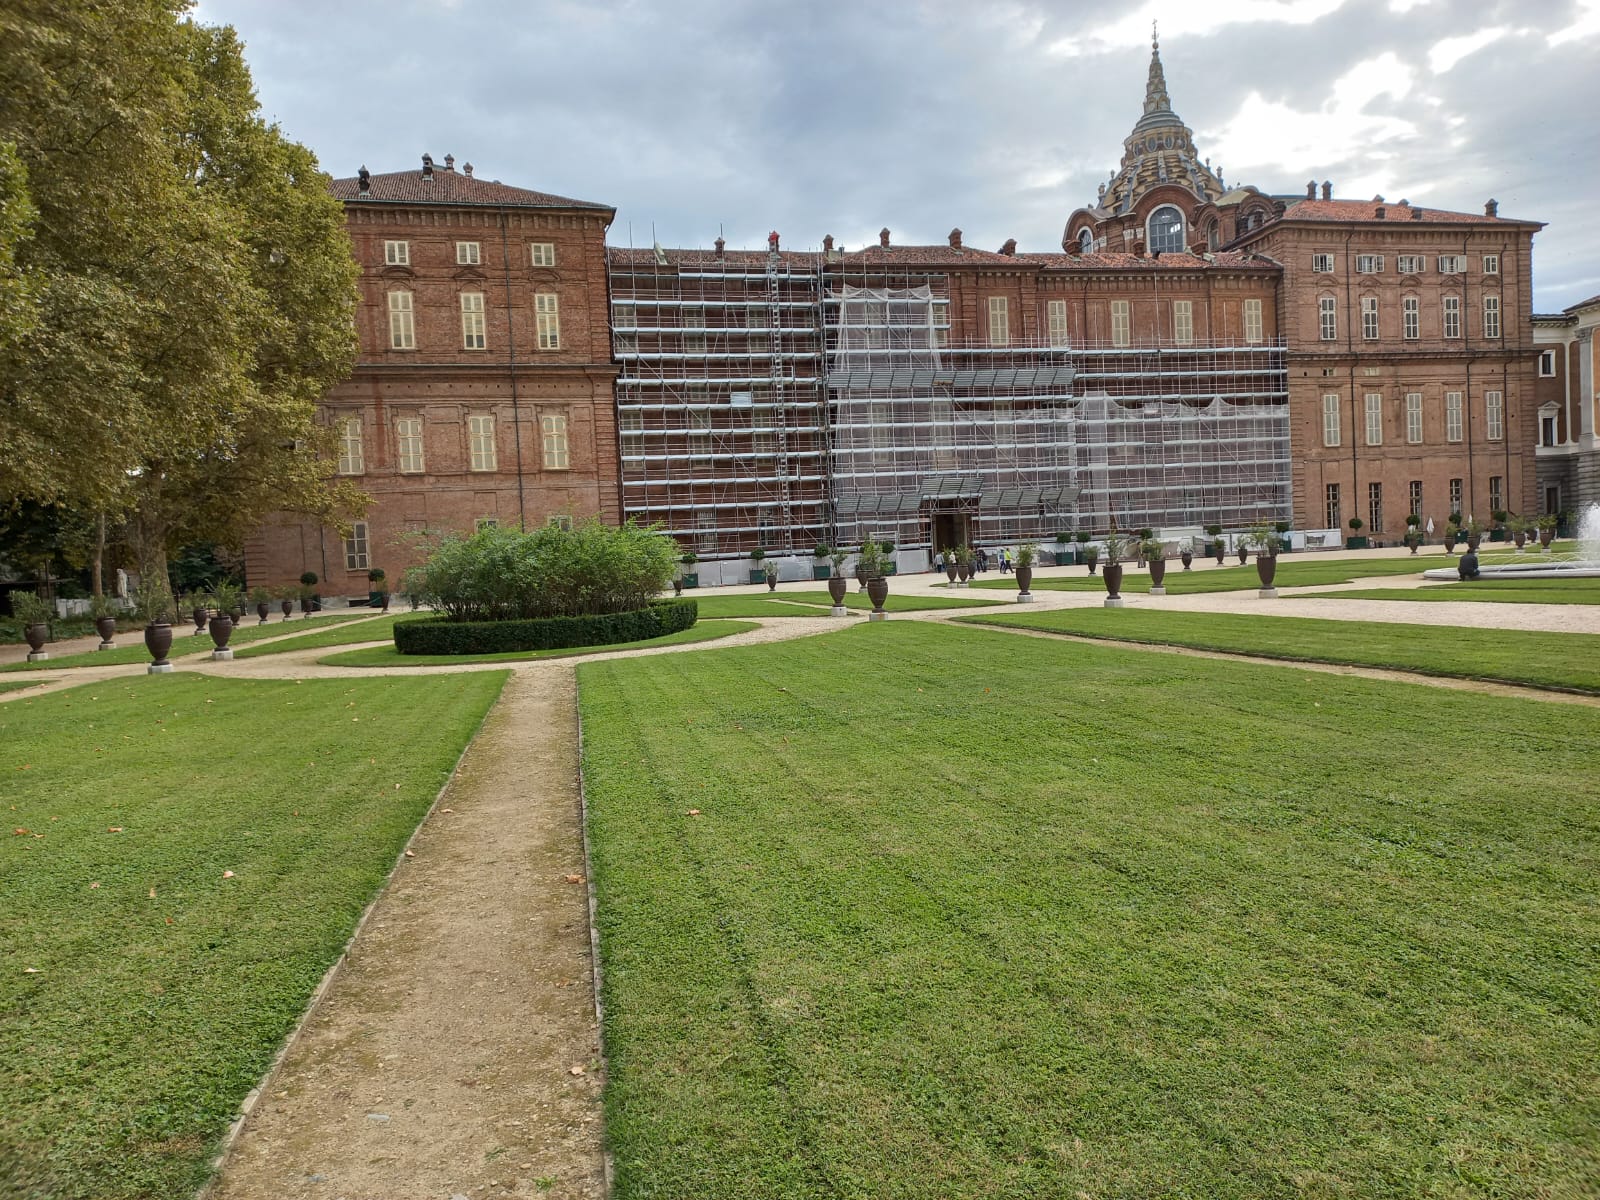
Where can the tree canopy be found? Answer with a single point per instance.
(176, 285)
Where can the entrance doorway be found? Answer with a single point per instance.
(951, 529)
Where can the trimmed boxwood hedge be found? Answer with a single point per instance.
(440, 635)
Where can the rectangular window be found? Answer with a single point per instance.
(1452, 316)
(1327, 319)
(1057, 313)
(480, 442)
(1414, 417)
(561, 521)
(483, 523)
(631, 420)
(1375, 507)
(625, 315)
(547, 317)
(1547, 364)
(1322, 264)
(351, 458)
(1374, 418)
(941, 322)
(397, 254)
(1330, 419)
(1491, 316)
(468, 254)
(402, 322)
(1547, 430)
(408, 443)
(542, 254)
(1411, 318)
(1494, 405)
(1369, 264)
(1495, 493)
(553, 432)
(1452, 416)
(999, 322)
(1491, 266)
(1411, 264)
(693, 321)
(1330, 512)
(355, 548)
(1452, 264)
(1369, 318)
(1455, 496)
(1119, 323)
(1414, 497)
(472, 330)
(1183, 322)
(1252, 322)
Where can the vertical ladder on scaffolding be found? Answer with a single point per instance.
(780, 399)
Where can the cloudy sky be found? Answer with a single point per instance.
(997, 116)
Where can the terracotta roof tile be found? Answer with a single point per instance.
(942, 256)
(1224, 260)
(450, 187)
(1589, 303)
(1367, 210)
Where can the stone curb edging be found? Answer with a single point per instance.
(607, 1163)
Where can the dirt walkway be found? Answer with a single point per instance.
(455, 1052)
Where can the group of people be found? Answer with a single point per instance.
(980, 559)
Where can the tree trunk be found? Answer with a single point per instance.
(98, 566)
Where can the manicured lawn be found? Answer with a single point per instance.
(1561, 660)
(130, 646)
(9, 684)
(1293, 571)
(378, 630)
(388, 656)
(969, 915)
(163, 988)
(816, 604)
(1502, 591)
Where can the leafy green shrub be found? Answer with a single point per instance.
(440, 635)
(31, 609)
(501, 574)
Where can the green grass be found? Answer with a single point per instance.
(378, 630)
(1504, 591)
(130, 646)
(1292, 572)
(816, 604)
(969, 915)
(9, 684)
(1556, 660)
(151, 1016)
(388, 656)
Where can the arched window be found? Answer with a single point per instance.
(1213, 237)
(1086, 240)
(1164, 231)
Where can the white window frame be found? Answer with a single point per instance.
(1375, 506)
(1452, 416)
(553, 441)
(1330, 418)
(541, 254)
(1056, 316)
(409, 451)
(1183, 322)
(1322, 264)
(1491, 264)
(1121, 323)
(396, 254)
(1414, 497)
(357, 548)
(1456, 497)
(1414, 418)
(469, 254)
(1252, 322)
(941, 322)
(1491, 317)
(1374, 415)
(1166, 248)
(352, 453)
(999, 321)
(1452, 264)
(1327, 319)
(1369, 318)
(402, 322)
(1410, 318)
(482, 454)
(1494, 417)
(1451, 308)
(1411, 264)
(474, 335)
(1333, 510)
(1369, 264)
(1497, 493)
(1547, 364)
(547, 320)
(693, 322)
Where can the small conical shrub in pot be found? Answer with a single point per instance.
(1155, 554)
(1026, 553)
(1116, 544)
(873, 567)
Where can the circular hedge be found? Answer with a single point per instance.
(440, 635)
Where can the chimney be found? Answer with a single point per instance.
(363, 181)
(467, 168)
(772, 242)
(1327, 190)
(1073, 247)
(449, 162)
(827, 244)
(883, 237)
(1381, 213)
(1491, 208)
(1138, 248)
(1010, 247)
(1311, 190)
(427, 166)
(1416, 214)
(720, 245)
(955, 239)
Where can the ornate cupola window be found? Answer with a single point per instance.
(1164, 230)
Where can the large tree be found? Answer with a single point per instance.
(186, 282)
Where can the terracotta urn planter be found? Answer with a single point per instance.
(964, 572)
(772, 583)
(36, 636)
(158, 640)
(1221, 552)
(385, 607)
(1266, 569)
(262, 608)
(236, 615)
(1158, 572)
(1546, 536)
(1113, 578)
(1092, 563)
(1244, 554)
(287, 607)
(106, 627)
(1188, 557)
(837, 585)
(1520, 537)
(878, 592)
(677, 585)
(1414, 540)
(1024, 580)
(1473, 541)
(950, 572)
(221, 630)
(199, 615)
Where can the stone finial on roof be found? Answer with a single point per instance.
(1327, 190)
(1155, 88)
(467, 168)
(720, 245)
(955, 239)
(883, 237)
(827, 243)
(449, 162)
(427, 166)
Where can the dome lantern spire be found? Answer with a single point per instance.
(1155, 88)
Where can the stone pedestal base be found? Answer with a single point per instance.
(106, 646)
(1119, 602)
(1268, 593)
(38, 655)
(838, 610)
(883, 616)
(1024, 597)
(961, 583)
(1158, 591)
(158, 668)
(223, 655)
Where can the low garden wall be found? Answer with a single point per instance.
(440, 635)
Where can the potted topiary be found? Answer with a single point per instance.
(1474, 534)
(1498, 531)
(1116, 545)
(1452, 532)
(1090, 556)
(1265, 541)
(1414, 533)
(1140, 541)
(286, 598)
(819, 568)
(1216, 545)
(691, 577)
(965, 558)
(1547, 528)
(1519, 531)
(377, 592)
(758, 572)
(198, 605)
(104, 610)
(154, 605)
(262, 598)
(1356, 541)
(772, 576)
(1281, 528)
(872, 567)
(1064, 554)
(890, 567)
(34, 614)
(309, 600)
(1082, 538)
(1027, 552)
(837, 583)
(947, 561)
(1186, 553)
(1154, 552)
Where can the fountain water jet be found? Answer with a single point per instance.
(1585, 564)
